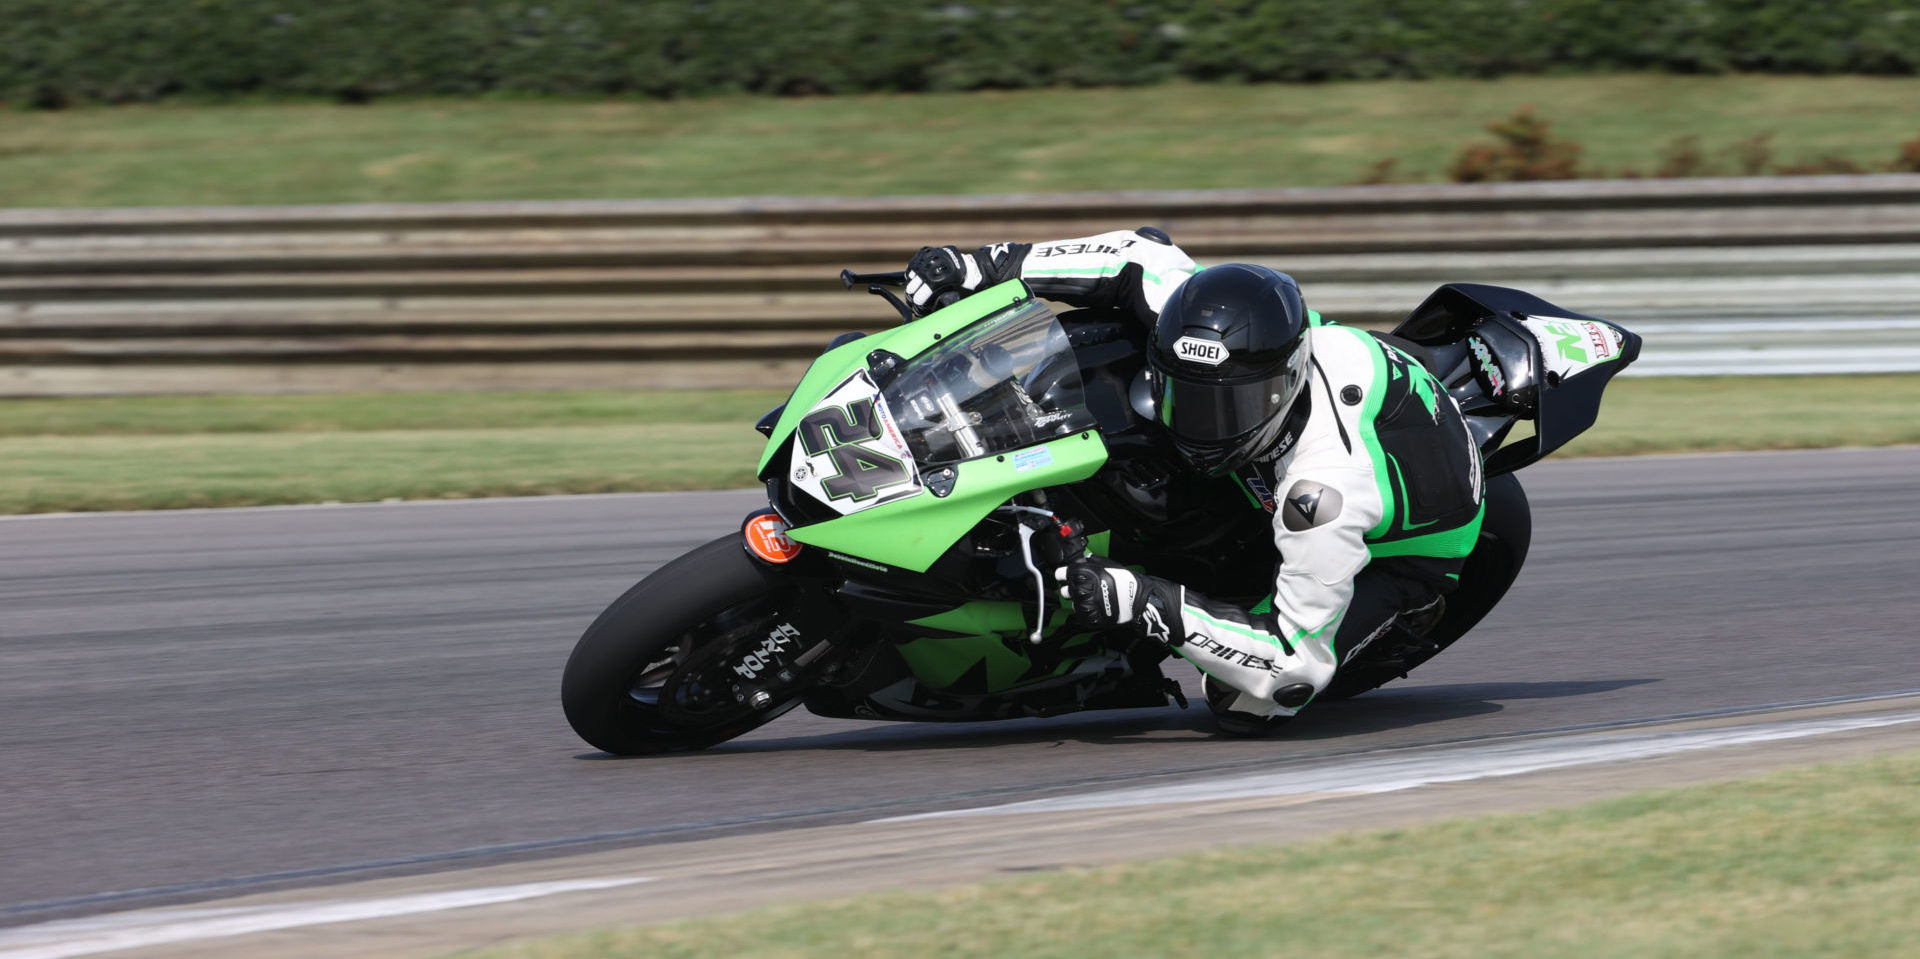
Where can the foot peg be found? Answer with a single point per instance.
(1421, 621)
(1172, 686)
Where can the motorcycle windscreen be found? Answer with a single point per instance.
(1007, 382)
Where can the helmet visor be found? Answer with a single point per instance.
(1216, 412)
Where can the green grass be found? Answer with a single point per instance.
(363, 412)
(170, 452)
(1174, 136)
(1694, 414)
(1812, 862)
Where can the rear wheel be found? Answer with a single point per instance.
(663, 668)
(1490, 569)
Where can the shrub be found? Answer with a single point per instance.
(1526, 151)
(54, 52)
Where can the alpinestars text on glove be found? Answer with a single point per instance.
(1104, 594)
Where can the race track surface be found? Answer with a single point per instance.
(201, 703)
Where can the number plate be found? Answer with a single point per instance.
(848, 452)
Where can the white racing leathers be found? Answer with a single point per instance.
(1382, 469)
(1121, 269)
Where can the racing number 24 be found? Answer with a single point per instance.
(840, 433)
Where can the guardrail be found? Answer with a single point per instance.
(1728, 275)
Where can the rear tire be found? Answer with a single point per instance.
(1490, 570)
(614, 680)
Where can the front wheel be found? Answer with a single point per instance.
(677, 662)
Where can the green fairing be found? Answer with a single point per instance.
(1101, 543)
(977, 618)
(940, 662)
(907, 340)
(911, 533)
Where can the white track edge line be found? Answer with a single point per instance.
(1449, 765)
(63, 938)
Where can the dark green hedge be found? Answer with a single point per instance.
(54, 52)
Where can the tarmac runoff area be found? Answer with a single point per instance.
(1390, 787)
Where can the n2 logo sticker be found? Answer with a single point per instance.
(840, 433)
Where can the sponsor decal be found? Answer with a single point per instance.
(848, 451)
(1496, 380)
(767, 539)
(1311, 504)
(1032, 459)
(1571, 346)
(1258, 487)
(1155, 625)
(868, 564)
(1228, 654)
(782, 637)
(1279, 450)
(894, 442)
(1196, 350)
(1075, 249)
(1306, 503)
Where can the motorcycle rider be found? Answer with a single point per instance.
(1362, 459)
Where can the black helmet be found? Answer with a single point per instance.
(1227, 363)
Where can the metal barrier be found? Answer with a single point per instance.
(1722, 276)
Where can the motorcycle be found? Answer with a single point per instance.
(922, 480)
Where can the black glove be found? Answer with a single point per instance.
(939, 275)
(1105, 593)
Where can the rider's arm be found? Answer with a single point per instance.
(1281, 657)
(1124, 268)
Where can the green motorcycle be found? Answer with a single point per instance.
(923, 481)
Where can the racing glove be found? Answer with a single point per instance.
(939, 275)
(1105, 593)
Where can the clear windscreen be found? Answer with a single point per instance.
(1006, 382)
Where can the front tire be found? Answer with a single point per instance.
(631, 657)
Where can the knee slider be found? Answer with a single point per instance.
(1293, 696)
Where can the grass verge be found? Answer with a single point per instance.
(1175, 136)
(170, 452)
(1812, 862)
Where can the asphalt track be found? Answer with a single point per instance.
(204, 703)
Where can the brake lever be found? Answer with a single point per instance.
(877, 284)
(906, 312)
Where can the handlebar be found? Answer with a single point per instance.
(896, 278)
